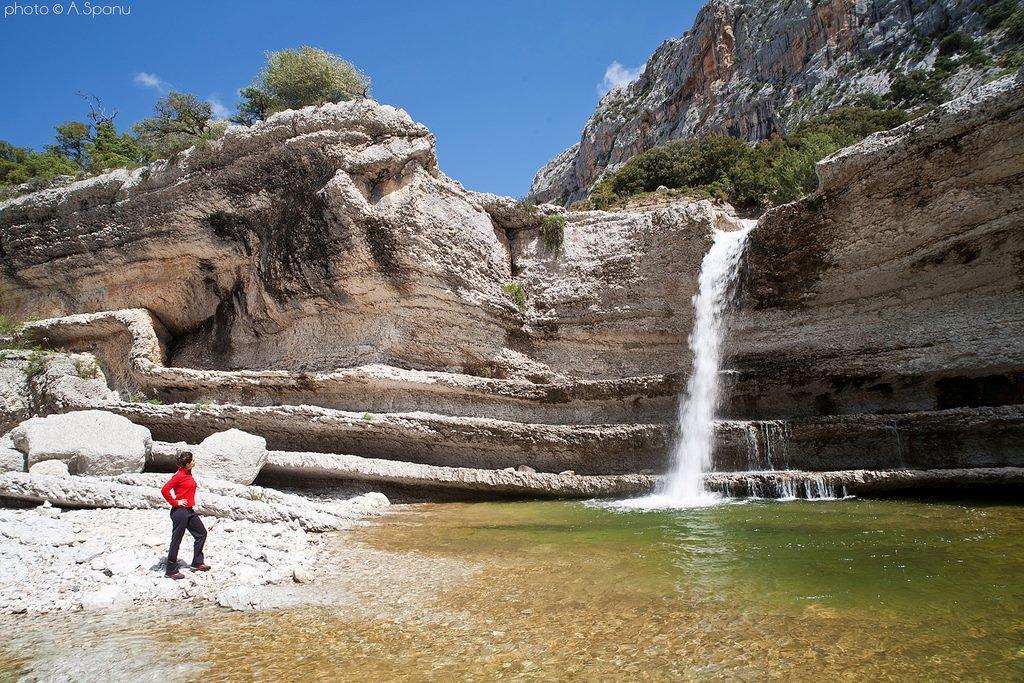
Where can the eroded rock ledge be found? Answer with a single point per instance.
(878, 325)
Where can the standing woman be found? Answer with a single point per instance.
(184, 516)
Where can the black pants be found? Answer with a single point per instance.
(182, 519)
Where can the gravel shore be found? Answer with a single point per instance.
(55, 560)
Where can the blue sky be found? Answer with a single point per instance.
(504, 86)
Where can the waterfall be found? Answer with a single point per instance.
(691, 456)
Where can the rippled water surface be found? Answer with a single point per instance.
(847, 590)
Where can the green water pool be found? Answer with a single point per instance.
(847, 590)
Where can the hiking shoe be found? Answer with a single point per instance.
(200, 567)
(175, 576)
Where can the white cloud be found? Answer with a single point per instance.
(618, 76)
(149, 80)
(220, 111)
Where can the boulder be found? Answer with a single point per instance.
(56, 468)
(106, 597)
(233, 455)
(91, 442)
(11, 459)
(15, 395)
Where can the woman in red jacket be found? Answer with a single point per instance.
(184, 516)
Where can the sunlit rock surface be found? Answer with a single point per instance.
(877, 325)
(752, 69)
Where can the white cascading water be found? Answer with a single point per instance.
(691, 457)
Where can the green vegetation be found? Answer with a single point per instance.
(771, 172)
(179, 121)
(515, 291)
(299, 78)
(10, 338)
(36, 362)
(9, 328)
(919, 87)
(94, 144)
(87, 369)
(1007, 15)
(368, 417)
(552, 231)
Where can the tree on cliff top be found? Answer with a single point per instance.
(298, 78)
(179, 121)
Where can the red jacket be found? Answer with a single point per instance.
(184, 486)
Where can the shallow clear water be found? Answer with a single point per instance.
(848, 590)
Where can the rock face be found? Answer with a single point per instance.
(898, 285)
(878, 322)
(751, 69)
(327, 238)
(233, 455)
(15, 396)
(329, 223)
(92, 442)
(11, 460)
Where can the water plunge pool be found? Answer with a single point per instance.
(848, 590)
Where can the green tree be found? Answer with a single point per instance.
(256, 105)
(71, 142)
(107, 150)
(298, 78)
(179, 121)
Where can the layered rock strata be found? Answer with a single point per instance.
(897, 286)
(878, 323)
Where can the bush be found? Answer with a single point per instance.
(515, 292)
(771, 172)
(956, 43)
(298, 78)
(918, 87)
(87, 369)
(552, 230)
(20, 165)
(1007, 15)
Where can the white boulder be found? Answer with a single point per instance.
(56, 468)
(106, 597)
(233, 455)
(11, 460)
(92, 442)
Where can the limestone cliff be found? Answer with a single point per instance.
(751, 69)
(898, 285)
(316, 280)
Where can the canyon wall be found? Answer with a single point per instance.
(752, 69)
(899, 284)
(317, 281)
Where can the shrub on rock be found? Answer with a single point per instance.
(233, 455)
(90, 442)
